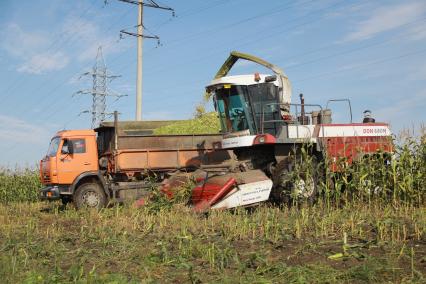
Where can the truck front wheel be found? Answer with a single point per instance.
(90, 195)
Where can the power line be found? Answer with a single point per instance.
(186, 13)
(355, 49)
(273, 32)
(140, 36)
(56, 87)
(190, 12)
(55, 100)
(328, 46)
(205, 57)
(52, 91)
(376, 62)
(233, 24)
(54, 42)
(363, 65)
(239, 22)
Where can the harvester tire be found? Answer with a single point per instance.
(90, 195)
(295, 184)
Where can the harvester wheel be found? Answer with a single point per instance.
(295, 182)
(90, 195)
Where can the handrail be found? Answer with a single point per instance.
(341, 100)
(282, 121)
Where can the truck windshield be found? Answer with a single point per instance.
(234, 109)
(53, 147)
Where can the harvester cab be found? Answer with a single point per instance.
(245, 102)
(239, 102)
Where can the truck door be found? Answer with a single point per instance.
(83, 159)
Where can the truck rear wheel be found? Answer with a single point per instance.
(295, 182)
(90, 195)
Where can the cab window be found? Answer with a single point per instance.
(79, 145)
(233, 107)
(53, 147)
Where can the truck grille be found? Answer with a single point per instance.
(46, 178)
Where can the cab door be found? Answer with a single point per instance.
(82, 159)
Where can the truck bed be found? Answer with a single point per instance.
(168, 152)
(130, 152)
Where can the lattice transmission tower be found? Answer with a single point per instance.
(101, 77)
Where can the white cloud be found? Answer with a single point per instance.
(41, 52)
(90, 36)
(44, 62)
(386, 18)
(28, 47)
(358, 9)
(19, 131)
(20, 43)
(404, 112)
(23, 142)
(418, 32)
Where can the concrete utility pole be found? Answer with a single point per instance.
(140, 36)
(99, 90)
(139, 66)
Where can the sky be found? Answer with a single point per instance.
(372, 52)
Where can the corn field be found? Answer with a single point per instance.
(398, 179)
(368, 226)
(19, 185)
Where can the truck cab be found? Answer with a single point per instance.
(70, 154)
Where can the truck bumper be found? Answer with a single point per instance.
(49, 193)
(53, 192)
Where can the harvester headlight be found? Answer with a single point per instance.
(262, 139)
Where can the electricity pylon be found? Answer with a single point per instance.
(100, 90)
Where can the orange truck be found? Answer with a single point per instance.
(119, 161)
